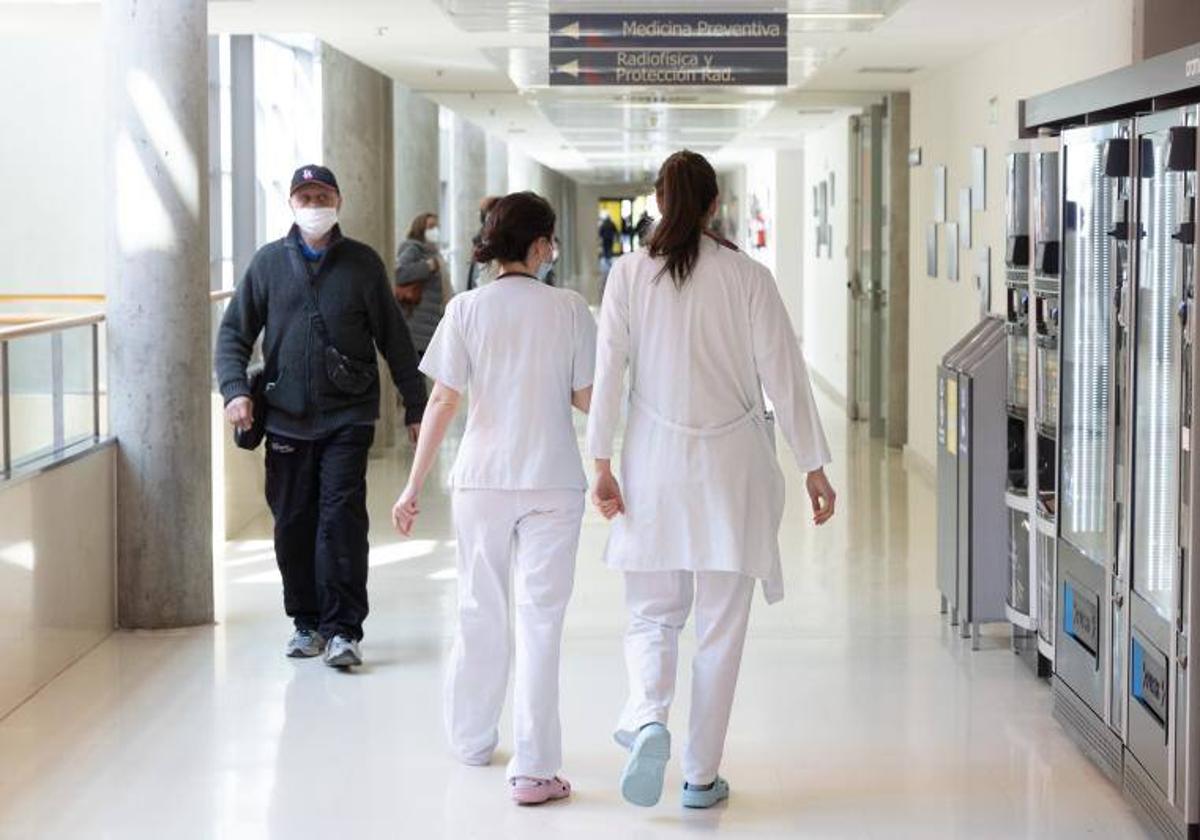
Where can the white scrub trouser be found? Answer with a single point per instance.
(532, 535)
(659, 603)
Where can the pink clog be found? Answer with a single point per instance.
(529, 791)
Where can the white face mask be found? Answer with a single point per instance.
(315, 222)
(433, 234)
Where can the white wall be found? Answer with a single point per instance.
(57, 570)
(52, 148)
(827, 152)
(952, 110)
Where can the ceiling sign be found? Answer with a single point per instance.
(668, 49)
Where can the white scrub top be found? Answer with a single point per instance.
(519, 349)
(702, 486)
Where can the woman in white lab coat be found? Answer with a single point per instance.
(703, 332)
(525, 353)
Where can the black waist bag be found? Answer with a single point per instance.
(349, 376)
(249, 439)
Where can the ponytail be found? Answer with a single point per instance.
(686, 188)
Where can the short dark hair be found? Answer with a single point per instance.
(417, 229)
(513, 224)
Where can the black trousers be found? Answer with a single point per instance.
(317, 490)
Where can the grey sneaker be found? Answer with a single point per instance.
(342, 652)
(305, 644)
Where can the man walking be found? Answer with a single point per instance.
(325, 303)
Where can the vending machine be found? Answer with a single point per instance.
(1021, 603)
(1156, 694)
(1043, 435)
(1089, 664)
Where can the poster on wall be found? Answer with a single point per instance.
(939, 194)
(952, 252)
(931, 250)
(964, 217)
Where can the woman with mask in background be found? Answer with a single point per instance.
(422, 288)
(524, 352)
(703, 332)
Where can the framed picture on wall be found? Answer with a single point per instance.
(939, 194)
(952, 252)
(979, 177)
(931, 250)
(964, 217)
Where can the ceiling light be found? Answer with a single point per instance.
(899, 70)
(836, 15)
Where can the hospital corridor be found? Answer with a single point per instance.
(539, 419)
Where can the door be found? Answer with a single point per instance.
(868, 283)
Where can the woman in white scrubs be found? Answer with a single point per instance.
(525, 354)
(702, 331)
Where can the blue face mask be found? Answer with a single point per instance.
(544, 270)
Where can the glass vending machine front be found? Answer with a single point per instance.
(1095, 169)
(1166, 210)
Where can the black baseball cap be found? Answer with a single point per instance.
(313, 174)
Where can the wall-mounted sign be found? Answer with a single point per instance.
(668, 49)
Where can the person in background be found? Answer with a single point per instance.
(608, 238)
(420, 281)
(525, 353)
(477, 273)
(323, 303)
(644, 224)
(703, 332)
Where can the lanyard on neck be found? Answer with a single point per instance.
(517, 274)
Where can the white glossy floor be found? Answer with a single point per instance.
(859, 715)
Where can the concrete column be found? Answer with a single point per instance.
(1160, 26)
(159, 353)
(357, 127)
(415, 141)
(244, 187)
(497, 166)
(468, 184)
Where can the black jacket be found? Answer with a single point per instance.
(353, 293)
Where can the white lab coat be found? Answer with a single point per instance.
(702, 487)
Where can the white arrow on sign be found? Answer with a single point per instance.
(571, 30)
(571, 68)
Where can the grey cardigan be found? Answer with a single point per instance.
(412, 267)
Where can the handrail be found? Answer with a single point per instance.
(51, 325)
(52, 298)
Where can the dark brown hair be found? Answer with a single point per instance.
(417, 229)
(686, 188)
(513, 224)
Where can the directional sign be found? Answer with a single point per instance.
(668, 49)
(668, 67)
(695, 31)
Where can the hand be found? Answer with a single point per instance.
(606, 495)
(432, 263)
(414, 432)
(405, 511)
(820, 492)
(240, 413)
